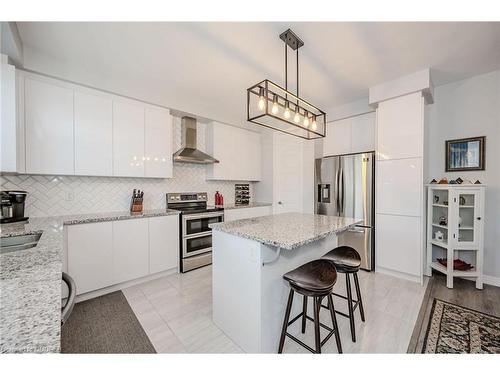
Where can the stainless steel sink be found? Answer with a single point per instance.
(22, 242)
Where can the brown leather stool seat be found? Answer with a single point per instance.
(347, 261)
(345, 258)
(317, 276)
(314, 279)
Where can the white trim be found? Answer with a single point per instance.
(491, 280)
(400, 275)
(114, 288)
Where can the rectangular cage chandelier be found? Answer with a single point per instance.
(273, 106)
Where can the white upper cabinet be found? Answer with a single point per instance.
(8, 141)
(400, 127)
(128, 139)
(93, 134)
(350, 135)
(49, 127)
(238, 151)
(363, 133)
(67, 129)
(338, 138)
(158, 143)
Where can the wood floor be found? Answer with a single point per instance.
(176, 314)
(464, 293)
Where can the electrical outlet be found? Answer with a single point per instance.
(69, 196)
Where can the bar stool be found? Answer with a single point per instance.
(314, 279)
(347, 260)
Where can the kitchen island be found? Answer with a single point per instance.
(250, 257)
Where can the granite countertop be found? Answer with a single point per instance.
(233, 206)
(30, 281)
(287, 231)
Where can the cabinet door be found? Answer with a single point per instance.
(338, 138)
(400, 127)
(163, 243)
(93, 135)
(8, 141)
(90, 256)
(130, 249)
(466, 209)
(128, 139)
(158, 142)
(49, 128)
(246, 213)
(252, 155)
(399, 244)
(363, 133)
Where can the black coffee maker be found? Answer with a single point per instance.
(12, 206)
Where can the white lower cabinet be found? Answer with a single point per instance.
(130, 249)
(163, 243)
(103, 254)
(246, 213)
(90, 256)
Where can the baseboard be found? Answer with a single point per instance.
(400, 275)
(491, 280)
(127, 284)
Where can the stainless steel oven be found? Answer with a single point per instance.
(195, 233)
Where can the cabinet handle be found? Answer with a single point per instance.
(479, 217)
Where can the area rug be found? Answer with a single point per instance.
(104, 324)
(456, 329)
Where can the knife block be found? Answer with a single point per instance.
(136, 205)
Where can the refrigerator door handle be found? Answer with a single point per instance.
(337, 175)
(341, 189)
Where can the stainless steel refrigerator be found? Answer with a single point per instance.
(345, 187)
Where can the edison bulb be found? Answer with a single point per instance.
(286, 114)
(262, 103)
(313, 125)
(296, 118)
(275, 108)
(306, 121)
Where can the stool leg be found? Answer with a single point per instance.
(358, 295)
(334, 322)
(349, 306)
(285, 322)
(316, 325)
(304, 314)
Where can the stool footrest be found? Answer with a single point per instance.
(331, 331)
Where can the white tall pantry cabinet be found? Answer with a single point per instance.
(400, 175)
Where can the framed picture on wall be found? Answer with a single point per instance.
(465, 154)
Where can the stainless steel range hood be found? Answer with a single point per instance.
(188, 152)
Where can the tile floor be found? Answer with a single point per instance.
(176, 313)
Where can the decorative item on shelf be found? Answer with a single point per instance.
(445, 203)
(136, 201)
(458, 264)
(452, 182)
(477, 182)
(460, 220)
(439, 236)
(443, 220)
(465, 154)
(433, 181)
(217, 198)
(273, 106)
(443, 181)
(459, 181)
(436, 199)
(462, 200)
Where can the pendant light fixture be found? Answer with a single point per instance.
(273, 106)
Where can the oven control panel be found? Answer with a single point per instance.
(186, 197)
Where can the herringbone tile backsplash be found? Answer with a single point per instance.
(68, 195)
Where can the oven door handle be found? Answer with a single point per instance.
(201, 216)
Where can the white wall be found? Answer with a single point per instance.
(463, 109)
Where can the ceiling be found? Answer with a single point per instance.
(205, 68)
